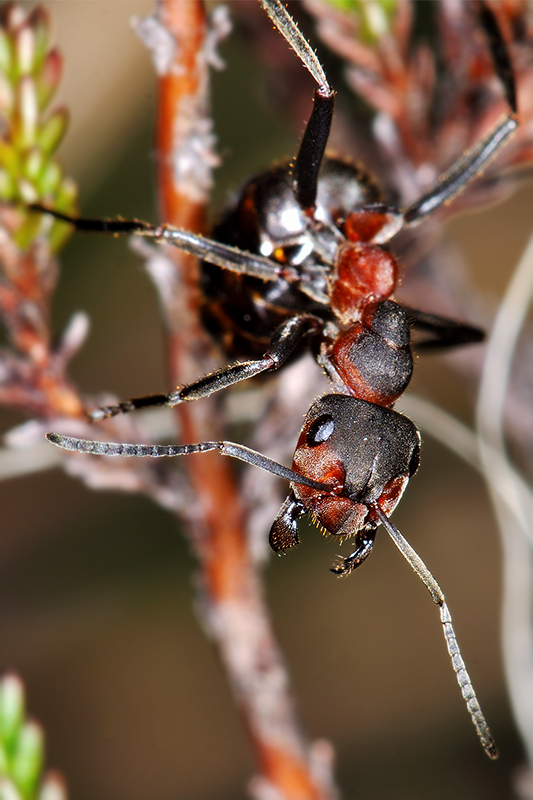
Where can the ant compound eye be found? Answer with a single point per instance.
(320, 430)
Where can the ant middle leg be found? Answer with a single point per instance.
(285, 340)
(443, 332)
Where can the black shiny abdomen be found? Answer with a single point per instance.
(242, 312)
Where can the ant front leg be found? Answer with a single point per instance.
(284, 342)
(222, 255)
(444, 332)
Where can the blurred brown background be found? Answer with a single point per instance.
(96, 596)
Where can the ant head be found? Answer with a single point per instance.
(367, 452)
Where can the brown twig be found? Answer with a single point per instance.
(232, 603)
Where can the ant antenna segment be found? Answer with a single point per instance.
(437, 595)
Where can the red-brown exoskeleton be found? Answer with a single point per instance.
(301, 258)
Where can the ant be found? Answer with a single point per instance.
(301, 258)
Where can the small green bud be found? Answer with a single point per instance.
(33, 164)
(8, 186)
(28, 759)
(6, 53)
(24, 51)
(27, 231)
(39, 21)
(11, 708)
(9, 158)
(50, 179)
(27, 191)
(48, 79)
(26, 114)
(51, 133)
(59, 234)
(66, 196)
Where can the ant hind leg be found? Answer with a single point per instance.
(442, 332)
(285, 340)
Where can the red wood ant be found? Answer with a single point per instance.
(301, 258)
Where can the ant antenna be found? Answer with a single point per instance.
(231, 449)
(463, 678)
(257, 459)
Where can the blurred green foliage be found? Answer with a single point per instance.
(374, 16)
(30, 72)
(22, 749)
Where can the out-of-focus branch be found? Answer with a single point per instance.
(33, 372)
(232, 604)
(516, 526)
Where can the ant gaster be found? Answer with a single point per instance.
(301, 259)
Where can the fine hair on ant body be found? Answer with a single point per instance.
(307, 241)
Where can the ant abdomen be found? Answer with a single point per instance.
(242, 312)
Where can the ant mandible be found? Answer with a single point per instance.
(301, 259)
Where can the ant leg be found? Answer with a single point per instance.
(462, 172)
(222, 255)
(291, 32)
(230, 449)
(365, 542)
(474, 162)
(284, 342)
(463, 678)
(444, 332)
(312, 147)
(313, 144)
(499, 52)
